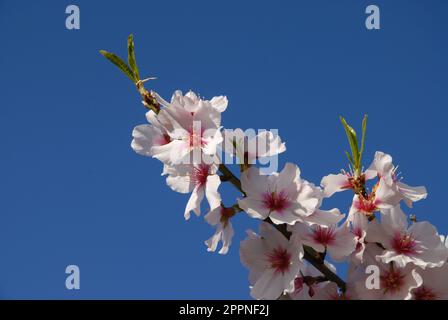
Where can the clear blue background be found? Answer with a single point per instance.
(72, 191)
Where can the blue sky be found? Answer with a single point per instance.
(73, 191)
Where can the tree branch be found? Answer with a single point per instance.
(229, 176)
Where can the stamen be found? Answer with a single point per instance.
(403, 243)
(276, 201)
(200, 174)
(324, 236)
(424, 293)
(280, 260)
(392, 281)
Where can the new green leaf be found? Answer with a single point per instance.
(353, 141)
(363, 139)
(116, 60)
(357, 151)
(131, 58)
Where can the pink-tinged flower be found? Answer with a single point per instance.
(435, 284)
(343, 181)
(394, 283)
(383, 167)
(339, 242)
(309, 286)
(380, 198)
(185, 128)
(273, 261)
(201, 180)
(248, 147)
(283, 197)
(146, 138)
(220, 217)
(418, 244)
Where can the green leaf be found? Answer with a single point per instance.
(116, 60)
(363, 139)
(131, 58)
(349, 157)
(353, 141)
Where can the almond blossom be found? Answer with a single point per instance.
(184, 125)
(198, 179)
(247, 148)
(383, 167)
(418, 244)
(283, 197)
(339, 242)
(394, 283)
(147, 138)
(220, 217)
(379, 199)
(273, 261)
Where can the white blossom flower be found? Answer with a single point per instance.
(220, 217)
(201, 180)
(339, 242)
(187, 126)
(248, 148)
(146, 138)
(284, 196)
(394, 283)
(418, 243)
(383, 167)
(379, 199)
(435, 284)
(273, 261)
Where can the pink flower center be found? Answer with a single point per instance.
(424, 293)
(195, 138)
(403, 243)
(324, 236)
(365, 205)
(280, 260)
(163, 140)
(200, 174)
(392, 281)
(354, 183)
(276, 201)
(357, 232)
